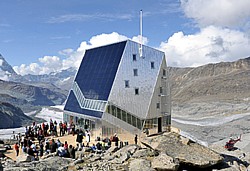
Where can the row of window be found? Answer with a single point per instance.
(125, 116)
(135, 121)
(152, 64)
(97, 105)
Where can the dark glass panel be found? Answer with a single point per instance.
(99, 67)
(72, 105)
(119, 113)
(124, 116)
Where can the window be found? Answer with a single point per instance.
(158, 105)
(136, 91)
(129, 118)
(161, 90)
(113, 110)
(124, 116)
(135, 72)
(108, 109)
(164, 72)
(139, 124)
(126, 83)
(152, 65)
(119, 116)
(134, 57)
(133, 120)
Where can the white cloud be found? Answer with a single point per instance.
(138, 39)
(66, 52)
(50, 64)
(210, 45)
(225, 13)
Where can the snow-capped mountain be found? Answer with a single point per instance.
(62, 79)
(7, 73)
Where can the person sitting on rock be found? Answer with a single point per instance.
(72, 152)
(53, 146)
(61, 151)
(31, 153)
(93, 148)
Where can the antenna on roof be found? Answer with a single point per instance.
(140, 48)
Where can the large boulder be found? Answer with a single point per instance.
(140, 165)
(24, 158)
(187, 152)
(165, 162)
(145, 152)
(124, 153)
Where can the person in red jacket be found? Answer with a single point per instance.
(16, 147)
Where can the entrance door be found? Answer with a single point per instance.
(159, 125)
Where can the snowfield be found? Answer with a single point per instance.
(47, 113)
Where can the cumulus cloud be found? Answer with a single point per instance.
(73, 58)
(210, 45)
(225, 13)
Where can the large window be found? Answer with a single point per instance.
(113, 110)
(125, 116)
(119, 113)
(129, 119)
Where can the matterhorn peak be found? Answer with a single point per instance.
(6, 70)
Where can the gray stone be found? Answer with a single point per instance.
(123, 156)
(140, 165)
(145, 153)
(79, 154)
(112, 149)
(24, 158)
(165, 162)
(78, 161)
(191, 153)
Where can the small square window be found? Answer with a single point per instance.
(136, 91)
(135, 72)
(152, 65)
(161, 90)
(134, 57)
(126, 83)
(164, 72)
(158, 105)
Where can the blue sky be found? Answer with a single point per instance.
(43, 36)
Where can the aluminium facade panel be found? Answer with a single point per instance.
(145, 81)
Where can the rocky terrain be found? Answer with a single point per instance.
(12, 117)
(168, 151)
(212, 102)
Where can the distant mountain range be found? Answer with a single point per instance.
(12, 117)
(30, 92)
(225, 81)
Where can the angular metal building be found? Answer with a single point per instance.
(117, 89)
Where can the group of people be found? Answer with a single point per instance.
(41, 132)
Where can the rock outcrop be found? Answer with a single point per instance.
(162, 152)
(187, 153)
